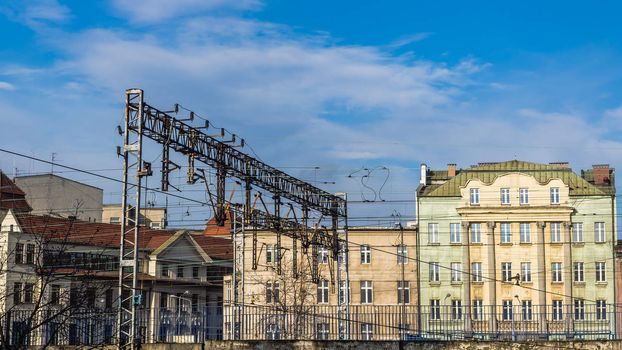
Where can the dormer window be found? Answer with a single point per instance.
(523, 195)
(474, 196)
(554, 195)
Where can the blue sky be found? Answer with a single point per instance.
(335, 85)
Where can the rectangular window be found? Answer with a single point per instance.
(556, 232)
(476, 271)
(109, 299)
(507, 312)
(272, 292)
(578, 272)
(403, 292)
(269, 253)
(55, 294)
(577, 232)
(554, 195)
(506, 233)
(115, 220)
(432, 233)
(402, 254)
(19, 253)
(343, 294)
(322, 255)
(367, 292)
(322, 292)
(478, 309)
(456, 272)
(29, 289)
(365, 254)
(527, 310)
(322, 331)
(601, 310)
(367, 331)
(435, 272)
(474, 192)
(505, 196)
(476, 233)
(599, 232)
(455, 236)
(579, 309)
(163, 300)
(195, 272)
(180, 271)
(600, 272)
(17, 293)
(506, 272)
(435, 309)
(525, 272)
(30, 254)
(164, 270)
(456, 309)
(525, 232)
(523, 195)
(194, 302)
(558, 314)
(556, 270)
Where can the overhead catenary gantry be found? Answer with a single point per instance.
(226, 158)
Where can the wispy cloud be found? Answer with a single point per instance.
(409, 39)
(150, 11)
(6, 86)
(36, 13)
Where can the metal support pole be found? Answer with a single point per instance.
(220, 187)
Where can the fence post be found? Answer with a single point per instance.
(7, 330)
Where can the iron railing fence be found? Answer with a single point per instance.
(392, 322)
(319, 322)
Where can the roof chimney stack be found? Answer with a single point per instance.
(423, 176)
(451, 170)
(601, 174)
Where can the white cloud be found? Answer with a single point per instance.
(6, 86)
(36, 13)
(150, 11)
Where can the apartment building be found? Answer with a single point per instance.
(152, 217)
(517, 248)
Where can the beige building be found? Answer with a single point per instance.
(151, 217)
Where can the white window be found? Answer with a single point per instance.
(599, 231)
(601, 310)
(556, 269)
(525, 232)
(435, 309)
(474, 196)
(322, 255)
(343, 294)
(115, 220)
(554, 195)
(523, 195)
(322, 331)
(558, 314)
(506, 271)
(578, 272)
(455, 235)
(269, 254)
(577, 232)
(367, 292)
(403, 292)
(456, 272)
(506, 233)
(322, 292)
(556, 232)
(365, 254)
(402, 254)
(505, 196)
(476, 233)
(435, 273)
(367, 331)
(507, 312)
(432, 233)
(272, 292)
(579, 309)
(600, 272)
(525, 272)
(456, 309)
(476, 271)
(527, 310)
(478, 309)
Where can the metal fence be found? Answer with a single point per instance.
(392, 322)
(318, 322)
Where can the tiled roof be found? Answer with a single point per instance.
(212, 229)
(543, 173)
(217, 248)
(88, 233)
(11, 196)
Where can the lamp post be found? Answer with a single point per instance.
(179, 307)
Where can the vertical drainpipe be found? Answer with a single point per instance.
(542, 281)
(467, 293)
(493, 293)
(613, 250)
(418, 254)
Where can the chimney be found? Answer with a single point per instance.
(451, 170)
(423, 179)
(601, 174)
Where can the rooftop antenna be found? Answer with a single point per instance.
(53, 159)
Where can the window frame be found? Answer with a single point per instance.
(599, 232)
(556, 232)
(557, 274)
(527, 310)
(507, 313)
(506, 272)
(557, 310)
(578, 270)
(525, 269)
(402, 254)
(367, 292)
(601, 272)
(433, 237)
(523, 195)
(505, 232)
(579, 309)
(323, 292)
(365, 250)
(601, 310)
(455, 234)
(403, 292)
(476, 272)
(505, 196)
(434, 272)
(474, 196)
(525, 232)
(435, 309)
(555, 195)
(456, 309)
(456, 272)
(577, 232)
(476, 232)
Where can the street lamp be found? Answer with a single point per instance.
(179, 307)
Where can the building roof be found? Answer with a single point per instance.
(217, 248)
(212, 229)
(50, 175)
(11, 196)
(443, 186)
